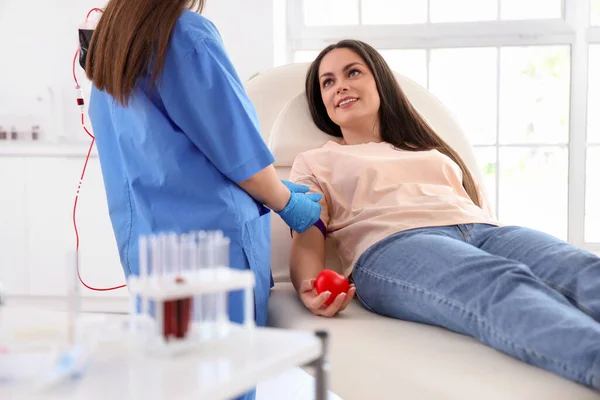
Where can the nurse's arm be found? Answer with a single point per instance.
(266, 188)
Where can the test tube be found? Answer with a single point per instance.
(184, 254)
(191, 270)
(194, 261)
(202, 253)
(190, 257)
(143, 253)
(208, 298)
(186, 259)
(223, 262)
(174, 262)
(155, 258)
(201, 266)
(159, 312)
(164, 256)
(161, 272)
(212, 264)
(143, 250)
(248, 308)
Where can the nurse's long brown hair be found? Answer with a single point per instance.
(130, 36)
(400, 123)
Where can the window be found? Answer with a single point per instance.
(487, 157)
(463, 10)
(593, 133)
(330, 12)
(533, 188)
(375, 12)
(516, 101)
(592, 215)
(509, 71)
(534, 94)
(487, 10)
(534, 122)
(465, 81)
(592, 200)
(388, 12)
(530, 9)
(595, 12)
(410, 63)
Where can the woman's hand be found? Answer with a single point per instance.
(316, 302)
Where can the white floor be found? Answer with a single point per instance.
(295, 384)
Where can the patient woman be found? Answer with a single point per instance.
(416, 235)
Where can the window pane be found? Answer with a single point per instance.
(594, 95)
(330, 12)
(533, 188)
(595, 12)
(534, 94)
(486, 157)
(410, 63)
(463, 10)
(305, 55)
(394, 11)
(531, 9)
(465, 81)
(592, 196)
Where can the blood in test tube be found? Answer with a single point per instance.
(177, 316)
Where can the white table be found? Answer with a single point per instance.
(222, 371)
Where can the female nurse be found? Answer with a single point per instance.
(179, 141)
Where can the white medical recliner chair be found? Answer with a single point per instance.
(374, 357)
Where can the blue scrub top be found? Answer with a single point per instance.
(171, 159)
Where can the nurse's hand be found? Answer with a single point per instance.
(302, 210)
(316, 302)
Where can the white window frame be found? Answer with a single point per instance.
(572, 29)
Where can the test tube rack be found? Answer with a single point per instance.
(179, 298)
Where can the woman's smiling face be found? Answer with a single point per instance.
(348, 90)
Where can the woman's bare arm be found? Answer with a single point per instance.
(306, 262)
(307, 256)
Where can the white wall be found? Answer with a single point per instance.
(38, 40)
(28, 70)
(247, 30)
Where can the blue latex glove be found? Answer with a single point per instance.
(303, 210)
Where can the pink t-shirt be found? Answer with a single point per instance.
(373, 190)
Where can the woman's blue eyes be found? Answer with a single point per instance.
(353, 72)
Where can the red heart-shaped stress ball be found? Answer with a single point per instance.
(333, 282)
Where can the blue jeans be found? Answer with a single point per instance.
(517, 290)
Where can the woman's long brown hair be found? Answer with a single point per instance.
(400, 123)
(131, 41)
